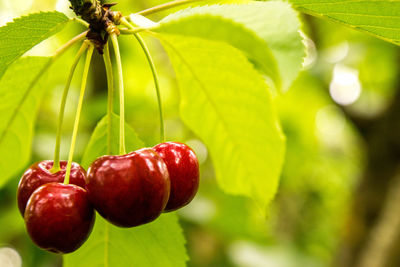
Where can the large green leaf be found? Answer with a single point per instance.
(98, 142)
(160, 243)
(379, 17)
(253, 28)
(16, 137)
(226, 102)
(23, 33)
(205, 25)
(157, 244)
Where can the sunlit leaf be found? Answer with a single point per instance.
(159, 243)
(380, 18)
(16, 135)
(23, 33)
(231, 110)
(253, 27)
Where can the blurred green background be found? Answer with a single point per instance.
(330, 117)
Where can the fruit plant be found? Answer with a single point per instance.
(127, 189)
(232, 62)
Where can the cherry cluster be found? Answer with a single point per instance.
(127, 190)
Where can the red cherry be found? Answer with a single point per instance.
(59, 217)
(39, 174)
(131, 189)
(183, 169)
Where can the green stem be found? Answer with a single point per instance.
(68, 44)
(133, 31)
(122, 150)
(81, 21)
(56, 55)
(78, 112)
(155, 77)
(165, 6)
(110, 85)
(56, 162)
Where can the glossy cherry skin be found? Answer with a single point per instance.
(129, 190)
(183, 169)
(59, 217)
(39, 174)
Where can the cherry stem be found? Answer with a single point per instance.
(110, 85)
(56, 55)
(81, 21)
(56, 162)
(78, 111)
(133, 31)
(155, 76)
(114, 40)
(165, 6)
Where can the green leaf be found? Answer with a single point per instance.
(222, 29)
(159, 243)
(98, 142)
(380, 18)
(23, 33)
(226, 102)
(16, 137)
(253, 28)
